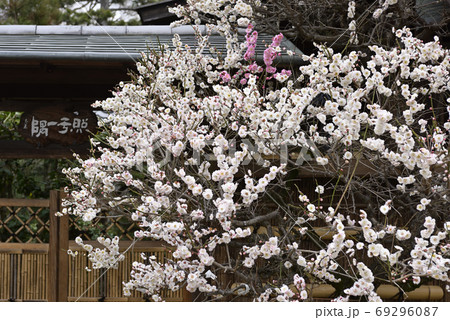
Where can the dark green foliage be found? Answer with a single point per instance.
(30, 178)
(24, 224)
(87, 12)
(30, 12)
(27, 178)
(8, 125)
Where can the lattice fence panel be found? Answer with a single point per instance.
(24, 221)
(102, 226)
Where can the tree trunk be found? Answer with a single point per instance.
(104, 4)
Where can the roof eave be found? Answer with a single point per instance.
(77, 56)
(112, 57)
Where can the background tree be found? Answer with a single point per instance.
(105, 12)
(336, 22)
(30, 12)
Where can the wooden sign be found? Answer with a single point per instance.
(46, 126)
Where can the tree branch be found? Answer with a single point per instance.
(255, 220)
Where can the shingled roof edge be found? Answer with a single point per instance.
(98, 30)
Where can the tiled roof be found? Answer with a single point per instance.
(108, 43)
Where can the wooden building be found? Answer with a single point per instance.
(54, 69)
(158, 13)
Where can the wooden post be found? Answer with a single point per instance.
(52, 286)
(187, 296)
(58, 271)
(63, 259)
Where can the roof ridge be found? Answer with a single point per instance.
(97, 30)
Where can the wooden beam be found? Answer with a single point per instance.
(25, 150)
(154, 246)
(24, 202)
(28, 105)
(57, 91)
(24, 247)
(51, 80)
(50, 74)
(87, 64)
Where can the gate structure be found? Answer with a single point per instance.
(24, 249)
(35, 266)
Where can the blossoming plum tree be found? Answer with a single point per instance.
(365, 22)
(203, 151)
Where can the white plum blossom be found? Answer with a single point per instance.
(402, 234)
